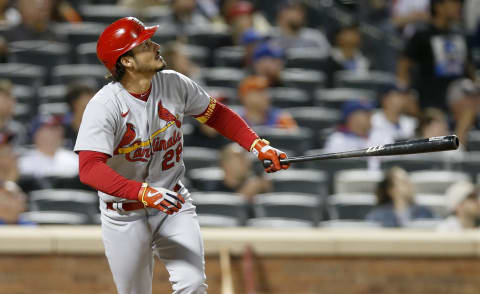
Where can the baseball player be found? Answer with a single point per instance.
(130, 149)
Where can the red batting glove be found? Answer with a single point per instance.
(264, 151)
(160, 198)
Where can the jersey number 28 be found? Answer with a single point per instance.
(167, 161)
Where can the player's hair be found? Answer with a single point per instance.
(383, 188)
(119, 68)
(429, 115)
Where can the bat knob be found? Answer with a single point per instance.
(267, 163)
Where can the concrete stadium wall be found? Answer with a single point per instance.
(70, 260)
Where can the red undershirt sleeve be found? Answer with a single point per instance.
(94, 172)
(228, 123)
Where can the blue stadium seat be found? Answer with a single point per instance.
(301, 181)
(315, 117)
(357, 180)
(298, 140)
(24, 74)
(221, 204)
(298, 206)
(284, 97)
(307, 58)
(335, 97)
(231, 56)
(350, 206)
(105, 13)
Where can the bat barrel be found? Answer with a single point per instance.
(433, 144)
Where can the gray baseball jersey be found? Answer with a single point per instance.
(144, 139)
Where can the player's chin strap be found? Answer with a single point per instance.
(144, 187)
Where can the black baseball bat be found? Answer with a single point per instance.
(433, 144)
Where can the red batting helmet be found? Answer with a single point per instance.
(119, 37)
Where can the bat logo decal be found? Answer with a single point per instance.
(375, 148)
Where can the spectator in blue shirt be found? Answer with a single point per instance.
(396, 201)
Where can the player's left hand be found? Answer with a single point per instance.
(263, 151)
(160, 198)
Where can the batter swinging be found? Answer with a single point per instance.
(130, 148)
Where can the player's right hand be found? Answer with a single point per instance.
(262, 149)
(160, 198)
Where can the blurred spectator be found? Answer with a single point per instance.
(346, 54)
(77, 97)
(257, 109)
(354, 130)
(440, 54)
(142, 4)
(9, 16)
(472, 18)
(463, 204)
(63, 11)
(7, 110)
(396, 201)
(36, 22)
(390, 119)
(268, 62)
(377, 13)
(292, 31)
(241, 17)
(48, 158)
(238, 178)
(250, 40)
(185, 17)
(176, 57)
(12, 204)
(432, 123)
(463, 99)
(408, 15)
(8, 160)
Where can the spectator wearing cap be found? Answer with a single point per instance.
(291, 31)
(354, 132)
(268, 62)
(439, 54)
(347, 54)
(463, 98)
(396, 201)
(48, 158)
(250, 39)
(12, 204)
(8, 125)
(257, 109)
(77, 97)
(390, 119)
(463, 204)
(240, 17)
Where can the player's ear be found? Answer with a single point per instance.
(126, 61)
